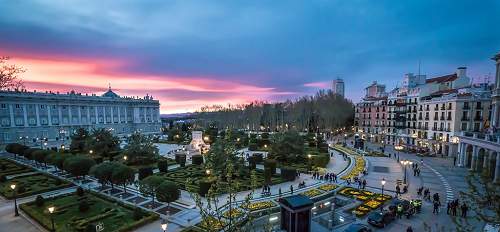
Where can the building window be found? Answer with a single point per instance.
(18, 106)
(42, 106)
(464, 126)
(4, 106)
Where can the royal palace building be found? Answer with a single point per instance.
(38, 118)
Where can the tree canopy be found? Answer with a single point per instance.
(78, 165)
(140, 149)
(288, 146)
(103, 142)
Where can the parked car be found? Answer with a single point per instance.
(358, 228)
(381, 218)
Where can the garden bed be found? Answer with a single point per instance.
(8, 167)
(113, 215)
(32, 184)
(370, 200)
(196, 173)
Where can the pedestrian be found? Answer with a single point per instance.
(398, 190)
(448, 208)
(279, 192)
(291, 189)
(454, 207)
(409, 229)
(454, 161)
(400, 211)
(436, 207)
(364, 183)
(464, 210)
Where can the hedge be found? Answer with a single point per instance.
(180, 159)
(288, 173)
(47, 225)
(163, 166)
(145, 172)
(197, 159)
(271, 165)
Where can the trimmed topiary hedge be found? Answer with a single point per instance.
(145, 172)
(163, 166)
(180, 159)
(197, 159)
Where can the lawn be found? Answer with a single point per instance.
(8, 167)
(113, 215)
(31, 185)
(197, 173)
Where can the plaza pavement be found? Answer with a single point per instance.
(437, 174)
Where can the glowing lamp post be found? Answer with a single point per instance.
(164, 224)
(51, 211)
(383, 184)
(13, 187)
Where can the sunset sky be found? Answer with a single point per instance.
(193, 53)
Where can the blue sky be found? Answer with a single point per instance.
(202, 52)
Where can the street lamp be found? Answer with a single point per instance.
(91, 151)
(164, 224)
(51, 210)
(207, 172)
(383, 183)
(405, 163)
(309, 156)
(13, 187)
(125, 158)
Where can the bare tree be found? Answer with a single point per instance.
(9, 75)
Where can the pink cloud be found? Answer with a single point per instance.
(93, 76)
(323, 85)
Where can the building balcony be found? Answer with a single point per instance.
(441, 118)
(426, 118)
(478, 118)
(487, 141)
(465, 119)
(466, 108)
(448, 118)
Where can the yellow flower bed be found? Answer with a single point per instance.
(372, 204)
(361, 197)
(312, 193)
(259, 205)
(234, 213)
(212, 223)
(327, 187)
(359, 213)
(383, 198)
(358, 168)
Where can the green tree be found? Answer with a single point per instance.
(140, 149)
(40, 156)
(104, 172)
(288, 147)
(57, 159)
(168, 192)
(123, 175)
(149, 185)
(78, 165)
(79, 141)
(102, 142)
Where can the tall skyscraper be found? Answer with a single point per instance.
(338, 87)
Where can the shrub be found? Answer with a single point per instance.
(288, 173)
(39, 201)
(204, 186)
(163, 166)
(138, 214)
(3, 167)
(145, 172)
(83, 206)
(3, 178)
(79, 191)
(90, 227)
(252, 164)
(58, 181)
(271, 165)
(197, 159)
(21, 189)
(267, 175)
(180, 159)
(321, 160)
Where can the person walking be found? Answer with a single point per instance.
(436, 207)
(291, 189)
(398, 190)
(400, 211)
(409, 229)
(364, 184)
(464, 210)
(448, 208)
(454, 207)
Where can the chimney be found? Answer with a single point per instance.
(461, 72)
